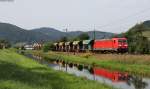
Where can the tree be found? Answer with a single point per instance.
(83, 36)
(75, 39)
(63, 39)
(48, 46)
(136, 40)
(4, 44)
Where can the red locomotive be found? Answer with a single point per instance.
(102, 45)
(114, 45)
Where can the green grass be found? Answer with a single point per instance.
(133, 64)
(19, 72)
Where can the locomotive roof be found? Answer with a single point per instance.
(110, 39)
(120, 38)
(102, 39)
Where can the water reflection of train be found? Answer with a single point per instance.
(103, 45)
(115, 76)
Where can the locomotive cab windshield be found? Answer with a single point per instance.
(122, 41)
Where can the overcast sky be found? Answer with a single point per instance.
(105, 15)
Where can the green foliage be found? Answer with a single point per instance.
(19, 45)
(4, 44)
(63, 39)
(83, 36)
(75, 39)
(138, 43)
(48, 46)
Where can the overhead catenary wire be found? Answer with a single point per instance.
(132, 15)
(122, 20)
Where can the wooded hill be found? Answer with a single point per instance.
(15, 34)
(138, 38)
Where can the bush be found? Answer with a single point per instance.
(48, 46)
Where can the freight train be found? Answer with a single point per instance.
(118, 45)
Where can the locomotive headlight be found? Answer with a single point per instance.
(126, 45)
(119, 45)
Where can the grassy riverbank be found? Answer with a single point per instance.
(19, 72)
(134, 64)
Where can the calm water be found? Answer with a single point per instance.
(133, 83)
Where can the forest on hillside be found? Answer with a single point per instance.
(138, 38)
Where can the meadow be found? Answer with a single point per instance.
(20, 72)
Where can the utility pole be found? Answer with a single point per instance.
(66, 30)
(94, 34)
